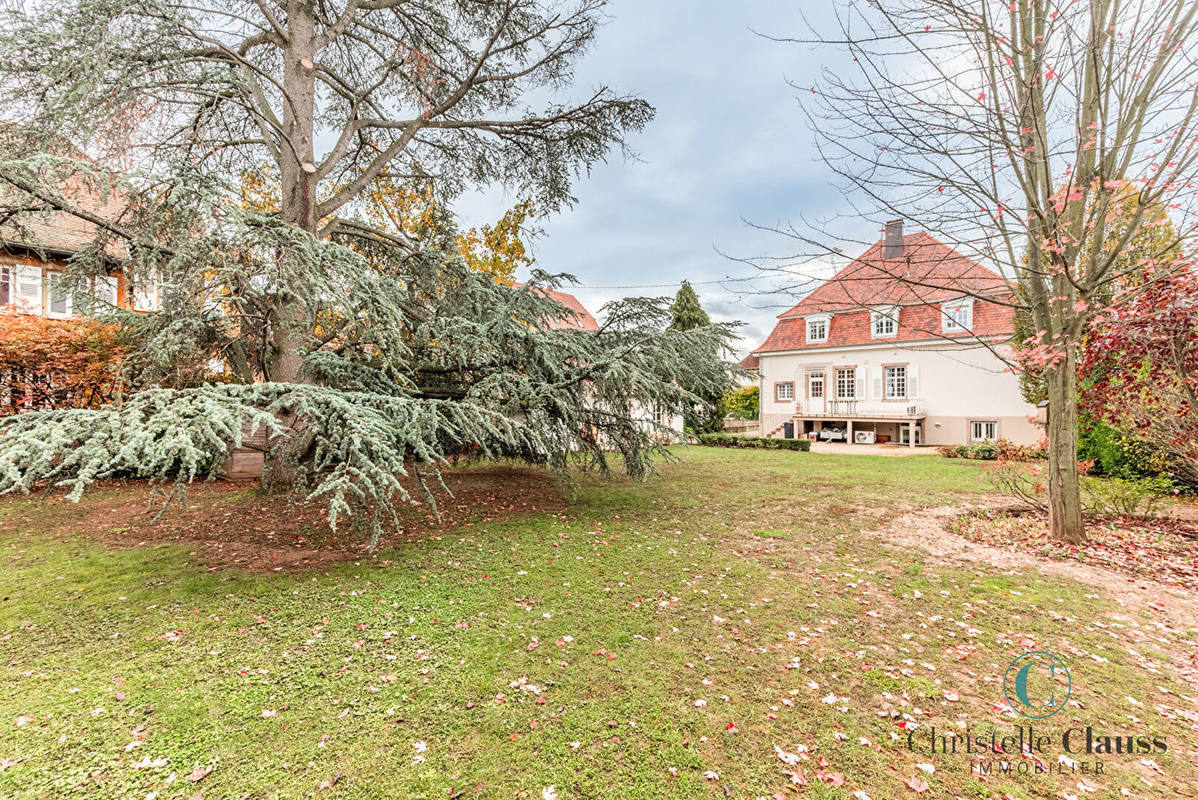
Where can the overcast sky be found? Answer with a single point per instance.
(729, 143)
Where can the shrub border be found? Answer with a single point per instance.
(754, 442)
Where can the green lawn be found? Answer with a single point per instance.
(620, 649)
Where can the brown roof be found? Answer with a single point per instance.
(928, 273)
(59, 231)
(750, 363)
(574, 316)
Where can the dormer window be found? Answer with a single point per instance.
(956, 316)
(883, 322)
(817, 328)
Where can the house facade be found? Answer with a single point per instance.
(36, 246)
(574, 316)
(34, 281)
(909, 344)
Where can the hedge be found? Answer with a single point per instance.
(52, 363)
(1002, 450)
(757, 442)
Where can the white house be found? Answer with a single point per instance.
(574, 316)
(906, 344)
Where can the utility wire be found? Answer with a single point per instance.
(668, 285)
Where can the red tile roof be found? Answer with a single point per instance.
(928, 273)
(60, 231)
(574, 315)
(750, 363)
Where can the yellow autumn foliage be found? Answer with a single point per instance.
(397, 206)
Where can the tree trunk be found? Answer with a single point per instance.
(1064, 491)
(297, 203)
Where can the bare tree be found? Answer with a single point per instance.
(1011, 131)
(332, 93)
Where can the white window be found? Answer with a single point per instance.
(105, 289)
(983, 430)
(846, 384)
(145, 294)
(817, 329)
(896, 383)
(884, 322)
(62, 289)
(5, 285)
(784, 391)
(957, 315)
(29, 289)
(659, 415)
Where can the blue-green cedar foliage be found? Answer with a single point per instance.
(410, 359)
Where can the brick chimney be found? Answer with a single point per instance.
(893, 244)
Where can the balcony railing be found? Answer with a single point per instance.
(844, 409)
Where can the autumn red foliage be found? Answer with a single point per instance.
(51, 363)
(1140, 368)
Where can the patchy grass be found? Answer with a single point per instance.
(1162, 549)
(644, 641)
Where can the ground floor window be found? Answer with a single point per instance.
(62, 287)
(846, 384)
(983, 430)
(896, 383)
(50, 292)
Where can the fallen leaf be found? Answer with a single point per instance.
(915, 784)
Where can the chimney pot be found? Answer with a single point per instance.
(893, 244)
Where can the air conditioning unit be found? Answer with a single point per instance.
(864, 437)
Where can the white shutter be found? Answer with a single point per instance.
(876, 373)
(105, 291)
(913, 381)
(145, 294)
(860, 392)
(29, 289)
(60, 295)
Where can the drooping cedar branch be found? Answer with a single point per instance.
(330, 95)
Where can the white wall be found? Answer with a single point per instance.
(672, 421)
(956, 383)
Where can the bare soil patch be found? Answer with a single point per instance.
(931, 530)
(236, 525)
(1164, 550)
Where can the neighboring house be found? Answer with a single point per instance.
(574, 316)
(36, 245)
(748, 371)
(905, 345)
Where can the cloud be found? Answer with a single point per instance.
(729, 143)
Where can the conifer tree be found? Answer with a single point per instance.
(369, 352)
(686, 312)
(332, 96)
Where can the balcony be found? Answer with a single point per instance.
(864, 410)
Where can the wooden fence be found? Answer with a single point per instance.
(749, 427)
